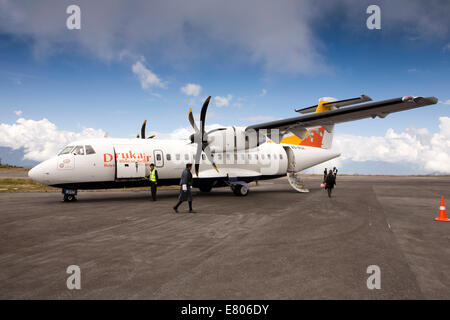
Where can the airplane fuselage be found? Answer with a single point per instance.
(117, 163)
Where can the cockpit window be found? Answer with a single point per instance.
(79, 150)
(89, 149)
(66, 150)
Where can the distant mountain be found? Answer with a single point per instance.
(15, 158)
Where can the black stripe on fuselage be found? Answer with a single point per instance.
(197, 182)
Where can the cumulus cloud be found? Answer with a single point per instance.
(18, 112)
(191, 89)
(41, 139)
(146, 77)
(223, 101)
(414, 146)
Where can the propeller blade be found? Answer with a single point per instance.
(137, 136)
(151, 137)
(203, 116)
(211, 159)
(198, 154)
(143, 129)
(192, 121)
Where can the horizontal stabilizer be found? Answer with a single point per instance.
(337, 104)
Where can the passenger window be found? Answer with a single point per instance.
(219, 156)
(242, 156)
(89, 150)
(275, 156)
(79, 151)
(168, 157)
(268, 156)
(186, 157)
(256, 156)
(281, 157)
(177, 156)
(235, 156)
(262, 157)
(249, 156)
(228, 156)
(203, 156)
(158, 157)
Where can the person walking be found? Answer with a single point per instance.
(185, 188)
(153, 180)
(330, 182)
(335, 170)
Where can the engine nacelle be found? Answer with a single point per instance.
(231, 139)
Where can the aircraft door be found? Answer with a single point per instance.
(159, 158)
(130, 162)
(291, 159)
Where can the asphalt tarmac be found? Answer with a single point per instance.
(275, 243)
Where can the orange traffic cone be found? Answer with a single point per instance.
(442, 212)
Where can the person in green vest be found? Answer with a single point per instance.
(153, 180)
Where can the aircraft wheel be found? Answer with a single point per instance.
(240, 190)
(69, 198)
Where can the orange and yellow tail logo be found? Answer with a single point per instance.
(314, 137)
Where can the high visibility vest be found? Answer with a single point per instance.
(153, 175)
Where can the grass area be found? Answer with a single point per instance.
(23, 185)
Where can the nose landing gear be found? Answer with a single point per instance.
(69, 195)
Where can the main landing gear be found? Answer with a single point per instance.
(240, 190)
(69, 195)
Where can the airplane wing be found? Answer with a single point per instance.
(367, 110)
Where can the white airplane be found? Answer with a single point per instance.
(229, 156)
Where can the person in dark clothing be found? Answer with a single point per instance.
(185, 188)
(153, 180)
(330, 182)
(335, 170)
(325, 172)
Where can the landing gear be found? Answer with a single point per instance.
(69, 195)
(69, 198)
(240, 190)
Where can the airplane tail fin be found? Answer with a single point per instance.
(319, 137)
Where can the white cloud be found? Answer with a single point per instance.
(413, 146)
(263, 92)
(41, 139)
(146, 77)
(259, 118)
(191, 89)
(445, 102)
(18, 112)
(223, 101)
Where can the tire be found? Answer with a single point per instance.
(240, 190)
(69, 198)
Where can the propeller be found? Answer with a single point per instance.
(200, 137)
(142, 135)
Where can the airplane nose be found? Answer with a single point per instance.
(40, 173)
(32, 173)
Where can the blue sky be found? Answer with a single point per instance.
(83, 78)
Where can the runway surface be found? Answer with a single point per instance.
(273, 244)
